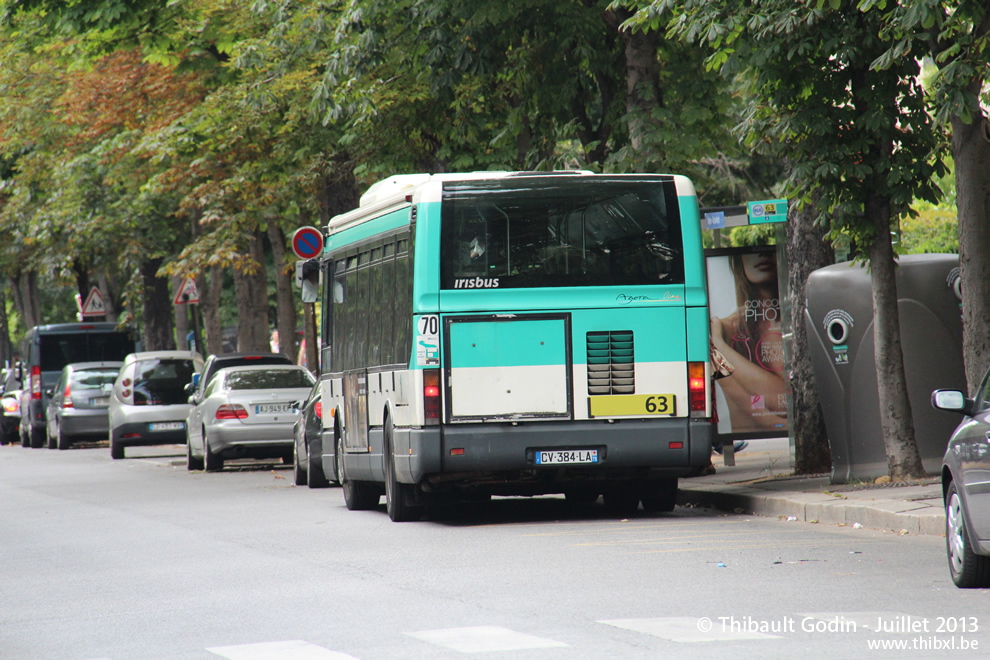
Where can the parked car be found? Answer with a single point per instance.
(47, 349)
(77, 405)
(246, 412)
(10, 405)
(217, 362)
(965, 475)
(149, 404)
(307, 461)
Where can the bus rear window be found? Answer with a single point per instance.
(58, 350)
(560, 232)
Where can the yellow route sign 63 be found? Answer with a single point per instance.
(622, 405)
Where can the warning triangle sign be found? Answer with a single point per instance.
(94, 305)
(187, 293)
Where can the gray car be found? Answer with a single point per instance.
(965, 479)
(246, 412)
(77, 404)
(149, 404)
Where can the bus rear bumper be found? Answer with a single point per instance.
(662, 447)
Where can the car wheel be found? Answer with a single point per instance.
(967, 568)
(212, 462)
(116, 449)
(38, 437)
(52, 440)
(400, 498)
(61, 439)
(316, 478)
(192, 463)
(298, 471)
(659, 495)
(358, 496)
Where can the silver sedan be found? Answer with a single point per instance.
(246, 412)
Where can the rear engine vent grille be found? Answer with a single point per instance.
(611, 363)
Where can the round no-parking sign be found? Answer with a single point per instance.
(307, 242)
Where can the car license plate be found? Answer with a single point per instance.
(166, 426)
(565, 457)
(272, 408)
(100, 402)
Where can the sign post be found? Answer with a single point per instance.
(188, 294)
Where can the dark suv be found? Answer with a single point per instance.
(48, 349)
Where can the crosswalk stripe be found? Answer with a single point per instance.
(288, 650)
(483, 639)
(687, 629)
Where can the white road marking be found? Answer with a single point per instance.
(688, 629)
(289, 650)
(483, 639)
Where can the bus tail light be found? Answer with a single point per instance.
(697, 389)
(35, 382)
(431, 396)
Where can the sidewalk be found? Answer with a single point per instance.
(762, 482)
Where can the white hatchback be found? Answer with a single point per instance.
(149, 404)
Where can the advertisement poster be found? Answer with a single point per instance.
(746, 329)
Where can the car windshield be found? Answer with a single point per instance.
(268, 380)
(93, 379)
(161, 382)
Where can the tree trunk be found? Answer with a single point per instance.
(251, 294)
(6, 348)
(26, 298)
(210, 287)
(157, 308)
(284, 295)
(643, 93)
(971, 152)
(807, 250)
(340, 190)
(903, 459)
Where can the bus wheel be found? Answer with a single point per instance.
(358, 496)
(659, 495)
(580, 496)
(621, 498)
(399, 498)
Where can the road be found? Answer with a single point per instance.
(142, 559)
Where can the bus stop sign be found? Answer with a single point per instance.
(307, 242)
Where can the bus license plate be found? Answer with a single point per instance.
(272, 408)
(166, 426)
(564, 457)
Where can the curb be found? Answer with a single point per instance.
(916, 517)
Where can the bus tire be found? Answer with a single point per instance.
(400, 499)
(659, 495)
(621, 498)
(358, 496)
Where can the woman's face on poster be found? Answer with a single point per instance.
(760, 268)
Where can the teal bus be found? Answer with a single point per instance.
(516, 333)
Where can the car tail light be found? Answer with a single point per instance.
(697, 389)
(67, 398)
(431, 395)
(35, 382)
(232, 411)
(318, 406)
(10, 405)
